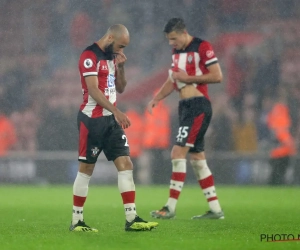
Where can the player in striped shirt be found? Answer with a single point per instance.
(101, 126)
(194, 65)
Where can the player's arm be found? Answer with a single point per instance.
(99, 97)
(166, 89)
(213, 76)
(208, 58)
(88, 70)
(120, 76)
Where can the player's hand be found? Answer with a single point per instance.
(151, 105)
(181, 76)
(122, 119)
(120, 59)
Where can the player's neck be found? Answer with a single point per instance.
(188, 41)
(101, 43)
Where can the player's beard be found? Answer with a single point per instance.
(109, 48)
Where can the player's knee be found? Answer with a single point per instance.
(197, 155)
(123, 163)
(86, 168)
(178, 152)
(198, 164)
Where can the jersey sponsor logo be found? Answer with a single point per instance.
(190, 58)
(109, 91)
(111, 81)
(209, 53)
(88, 63)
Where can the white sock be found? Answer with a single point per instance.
(206, 182)
(127, 190)
(177, 182)
(80, 192)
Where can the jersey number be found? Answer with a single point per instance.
(126, 143)
(182, 133)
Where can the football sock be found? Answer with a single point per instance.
(177, 181)
(206, 182)
(80, 191)
(127, 190)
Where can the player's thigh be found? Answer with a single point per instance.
(116, 144)
(184, 129)
(194, 118)
(179, 152)
(90, 138)
(86, 168)
(197, 153)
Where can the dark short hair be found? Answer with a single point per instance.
(174, 24)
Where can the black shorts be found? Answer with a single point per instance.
(194, 117)
(97, 134)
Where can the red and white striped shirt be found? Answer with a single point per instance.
(95, 62)
(195, 59)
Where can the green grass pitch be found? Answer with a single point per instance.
(33, 217)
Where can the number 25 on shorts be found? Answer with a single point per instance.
(182, 133)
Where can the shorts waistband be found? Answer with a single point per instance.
(193, 99)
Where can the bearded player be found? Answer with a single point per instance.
(101, 124)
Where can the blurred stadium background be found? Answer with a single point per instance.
(257, 43)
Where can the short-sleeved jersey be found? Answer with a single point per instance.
(195, 59)
(95, 62)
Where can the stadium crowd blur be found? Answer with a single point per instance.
(257, 43)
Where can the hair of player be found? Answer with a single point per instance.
(117, 30)
(175, 24)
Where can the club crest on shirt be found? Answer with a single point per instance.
(95, 151)
(88, 63)
(190, 58)
(209, 53)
